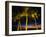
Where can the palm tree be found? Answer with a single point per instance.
(34, 15)
(24, 13)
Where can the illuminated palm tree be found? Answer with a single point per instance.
(24, 13)
(17, 17)
(35, 16)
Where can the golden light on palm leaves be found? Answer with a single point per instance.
(34, 15)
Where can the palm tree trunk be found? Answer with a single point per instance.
(36, 24)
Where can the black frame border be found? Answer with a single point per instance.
(7, 17)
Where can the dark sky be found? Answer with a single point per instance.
(19, 9)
